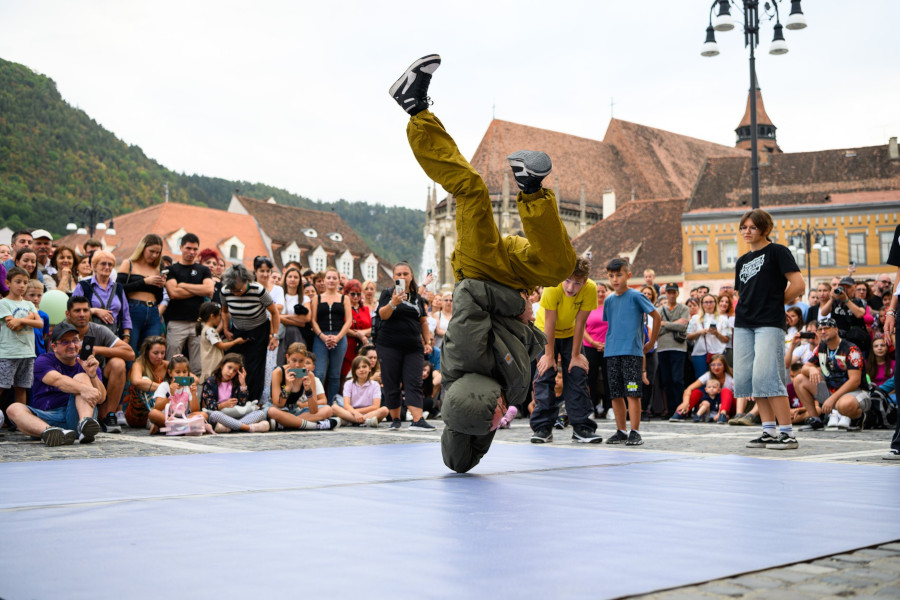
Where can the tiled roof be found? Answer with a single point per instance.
(285, 224)
(795, 178)
(762, 118)
(652, 227)
(212, 226)
(632, 159)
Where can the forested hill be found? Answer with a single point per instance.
(53, 156)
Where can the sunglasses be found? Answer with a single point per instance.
(353, 294)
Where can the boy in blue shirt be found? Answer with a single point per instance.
(625, 349)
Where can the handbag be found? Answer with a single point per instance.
(114, 326)
(177, 420)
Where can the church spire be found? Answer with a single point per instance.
(765, 129)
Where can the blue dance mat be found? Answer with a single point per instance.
(391, 521)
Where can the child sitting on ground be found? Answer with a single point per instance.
(183, 397)
(362, 397)
(709, 401)
(298, 398)
(220, 392)
(212, 346)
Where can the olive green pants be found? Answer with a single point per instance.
(544, 257)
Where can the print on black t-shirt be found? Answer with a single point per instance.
(760, 279)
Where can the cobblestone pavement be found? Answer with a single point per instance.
(865, 573)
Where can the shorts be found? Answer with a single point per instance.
(64, 416)
(862, 396)
(625, 376)
(16, 372)
(759, 362)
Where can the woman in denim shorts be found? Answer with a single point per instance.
(767, 277)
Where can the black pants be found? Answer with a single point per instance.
(651, 364)
(401, 366)
(254, 353)
(671, 374)
(597, 367)
(895, 441)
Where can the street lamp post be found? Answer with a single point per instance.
(804, 241)
(723, 22)
(95, 215)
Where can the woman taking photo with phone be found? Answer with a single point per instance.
(400, 344)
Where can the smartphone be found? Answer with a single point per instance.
(164, 273)
(298, 373)
(428, 272)
(87, 347)
(853, 264)
(712, 326)
(807, 335)
(184, 381)
(400, 286)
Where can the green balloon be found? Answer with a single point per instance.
(54, 304)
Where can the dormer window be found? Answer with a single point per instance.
(310, 232)
(335, 237)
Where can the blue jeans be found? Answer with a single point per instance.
(759, 362)
(328, 363)
(575, 393)
(144, 323)
(65, 416)
(700, 366)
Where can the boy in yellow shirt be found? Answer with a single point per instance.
(562, 314)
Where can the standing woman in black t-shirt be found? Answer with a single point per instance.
(890, 331)
(766, 278)
(143, 283)
(400, 343)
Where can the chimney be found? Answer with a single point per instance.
(609, 203)
(893, 153)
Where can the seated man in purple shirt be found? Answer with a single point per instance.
(65, 395)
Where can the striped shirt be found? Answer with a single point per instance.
(249, 309)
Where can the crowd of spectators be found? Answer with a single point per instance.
(266, 349)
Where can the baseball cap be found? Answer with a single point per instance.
(829, 322)
(62, 329)
(672, 287)
(848, 281)
(41, 233)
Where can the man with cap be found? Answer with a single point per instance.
(672, 347)
(832, 381)
(43, 247)
(847, 313)
(65, 395)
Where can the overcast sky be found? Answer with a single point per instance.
(294, 94)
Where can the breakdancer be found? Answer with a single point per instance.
(490, 342)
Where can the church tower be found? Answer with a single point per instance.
(765, 130)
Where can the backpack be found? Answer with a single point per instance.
(882, 414)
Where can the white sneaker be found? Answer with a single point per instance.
(833, 420)
(610, 416)
(372, 422)
(844, 423)
(120, 419)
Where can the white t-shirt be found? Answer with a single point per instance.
(729, 382)
(708, 343)
(277, 295)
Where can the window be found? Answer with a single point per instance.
(728, 255)
(345, 264)
(233, 251)
(335, 237)
(701, 256)
(310, 232)
(371, 272)
(826, 254)
(319, 260)
(857, 248)
(884, 239)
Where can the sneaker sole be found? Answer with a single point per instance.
(637, 443)
(580, 440)
(539, 440)
(52, 439)
(615, 443)
(89, 431)
(781, 446)
(405, 77)
(112, 429)
(755, 445)
(517, 159)
(411, 428)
